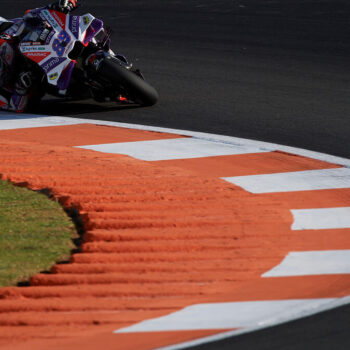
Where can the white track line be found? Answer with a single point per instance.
(294, 181)
(226, 315)
(9, 121)
(14, 121)
(272, 322)
(181, 148)
(321, 219)
(327, 262)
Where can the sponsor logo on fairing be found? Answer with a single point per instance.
(54, 14)
(30, 43)
(37, 54)
(49, 38)
(74, 25)
(51, 64)
(32, 48)
(69, 48)
(86, 20)
(44, 34)
(53, 76)
(47, 15)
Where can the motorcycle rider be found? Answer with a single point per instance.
(16, 82)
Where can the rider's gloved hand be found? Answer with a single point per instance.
(67, 5)
(23, 83)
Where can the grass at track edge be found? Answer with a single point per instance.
(35, 233)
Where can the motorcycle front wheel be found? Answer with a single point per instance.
(137, 89)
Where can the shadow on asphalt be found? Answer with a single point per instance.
(58, 107)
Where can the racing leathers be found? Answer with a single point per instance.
(16, 80)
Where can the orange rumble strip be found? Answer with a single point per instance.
(160, 236)
(81, 134)
(248, 164)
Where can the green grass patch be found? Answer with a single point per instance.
(35, 232)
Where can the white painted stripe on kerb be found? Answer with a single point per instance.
(327, 262)
(11, 121)
(294, 181)
(321, 219)
(15, 121)
(181, 148)
(226, 315)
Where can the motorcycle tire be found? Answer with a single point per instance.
(138, 89)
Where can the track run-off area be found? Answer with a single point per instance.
(189, 237)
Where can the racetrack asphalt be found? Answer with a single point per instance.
(274, 71)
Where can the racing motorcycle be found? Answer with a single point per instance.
(72, 58)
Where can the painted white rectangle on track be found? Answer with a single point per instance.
(227, 315)
(323, 218)
(294, 181)
(327, 262)
(181, 148)
(12, 121)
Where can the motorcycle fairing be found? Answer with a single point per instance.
(51, 51)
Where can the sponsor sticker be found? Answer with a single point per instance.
(54, 14)
(48, 39)
(53, 76)
(74, 25)
(32, 48)
(86, 20)
(69, 48)
(37, 54)
(52, 63)
(47, 15)
(44, 34)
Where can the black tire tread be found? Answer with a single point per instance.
(139, 89)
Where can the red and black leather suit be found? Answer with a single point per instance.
(16, 86)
